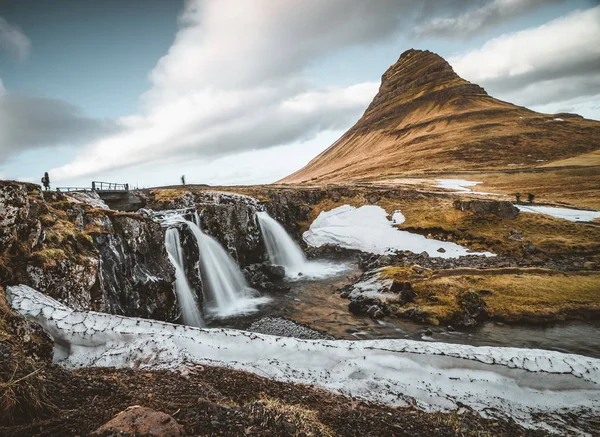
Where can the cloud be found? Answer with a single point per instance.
(13, 40)
(548, 64)
(33, 122)
(233, 81)
(474, 21)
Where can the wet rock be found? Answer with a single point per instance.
(405, 291)
(141, 421)
(275, 272)
(473, 309)
(375, 312)
(501, 208)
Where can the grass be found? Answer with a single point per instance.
(49, 257)
(168, 194)
(511, 295)
(274, 413)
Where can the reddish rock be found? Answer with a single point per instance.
(141, 421)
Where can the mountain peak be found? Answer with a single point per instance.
(427, 119)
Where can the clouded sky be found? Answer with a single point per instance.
(248, 91)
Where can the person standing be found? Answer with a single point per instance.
(182, 179)
(46, 181)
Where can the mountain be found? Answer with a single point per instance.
(427, 119)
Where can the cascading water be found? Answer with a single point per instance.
(225, 289)
(190, 312)
(282, 250)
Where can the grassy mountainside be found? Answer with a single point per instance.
(427, 119)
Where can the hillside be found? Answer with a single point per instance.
(426, 119)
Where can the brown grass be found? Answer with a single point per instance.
(529, 295)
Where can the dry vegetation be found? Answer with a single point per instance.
(510, 295)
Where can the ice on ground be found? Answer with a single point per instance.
(368, 229)
(573, 215)
(461, 186)
(537, 388)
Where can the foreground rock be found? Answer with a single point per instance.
(143, 422)
(501, 208)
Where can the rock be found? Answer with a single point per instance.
(355, 307)
(589, 265)
(141, 421)
(375, 312)
(275, 272)
(286, 328)
(501, 208)
(450, 328)
(405, 290)
(516, 235)
(441, 250)
(473, 308)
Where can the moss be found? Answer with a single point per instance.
(48, 257)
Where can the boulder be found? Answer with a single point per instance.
(500, 208)
(275, 272)
(141, 421)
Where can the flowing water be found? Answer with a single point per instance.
(284, 251)
(317, 304)
(190, 312)
(225, 290)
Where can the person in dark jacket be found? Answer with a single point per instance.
(46, 181)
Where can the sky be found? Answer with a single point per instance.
(248, 91)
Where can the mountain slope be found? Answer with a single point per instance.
(426, 119)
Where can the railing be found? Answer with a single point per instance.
(109, 186)
(71, 189)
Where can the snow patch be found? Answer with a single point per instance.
(537, 388)
(398, 218)
(461, 186)
(558, 119)
(573, 215)
(368, 229)
(91, 198)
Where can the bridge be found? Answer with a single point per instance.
(115, 195)
(99, 187)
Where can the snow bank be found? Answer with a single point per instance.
(461, 186)
(368, 229)
(497, 382)
(573, 215)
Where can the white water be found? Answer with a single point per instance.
(284, 251)
(190, 313)
(225, 289)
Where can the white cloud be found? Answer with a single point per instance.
(476, 20)
(13, 39)
(233, 81)
(555, 62)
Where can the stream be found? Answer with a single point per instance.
(317, 304)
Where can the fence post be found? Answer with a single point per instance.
(93, 185)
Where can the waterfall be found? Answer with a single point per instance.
(283, 251)
(187, 302)
(225, 289)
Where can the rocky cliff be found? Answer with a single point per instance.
(76, 250)
(425, 118)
